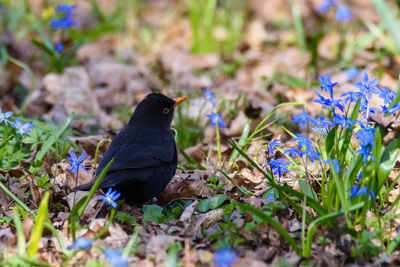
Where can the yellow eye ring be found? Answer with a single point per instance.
(165, 111)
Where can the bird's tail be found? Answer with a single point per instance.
(84, 187)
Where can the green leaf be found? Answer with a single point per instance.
(152, 213)
(388, 161)
(204, 205)
(216, 201)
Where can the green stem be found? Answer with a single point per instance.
(20, 154)
(218, 144)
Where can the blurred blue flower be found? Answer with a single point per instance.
(216, 119)
(335, 163)
(313, 155)
(391, 110)
(326, 5)
(327, 84)
(351, 73)
(322, 125)
(368, 87)
(329, 103)
(342, 121)
(365, 151)
(22, 129)
(270, 197)
(366, 109)
(365, 135)
(387, 95)
(81, 243)
(116, 258)
(278, 166)
(76, 162)
(66, 21)
(225, 257)
(272, 145)
(110, 197)
(343, 14)
(4, 117)
(59, 47)
(209, 96)
(351, 96)
(358, 191)
(293, 152)
(303, 141)
(302, 119)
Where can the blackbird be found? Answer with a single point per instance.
(145, 157)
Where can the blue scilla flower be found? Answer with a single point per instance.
(356, 191)
(335, 164)
(303, 141)
(368, 87)
(387, 95)
(391, 110)
(4, 117)
(366, 109)
(342, 121)
(302, 119)
(351, 96)
(59, 47)
(76, 162)
(22, 128)
(66, 21)
(116, 258)
(365, 151)
(365, 135)
(270, 197)
(278, 166)
(110, 197)
(329, 103)
(293, 152)
(272, 145)
(327, 84)
(343, 14)
(209, 96)
(81, 243)
(225, 257)
(351, 73)
(325, 6)
(322, 125)
(216, 120)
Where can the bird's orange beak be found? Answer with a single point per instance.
(178, 100)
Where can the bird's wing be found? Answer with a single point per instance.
(137, 155)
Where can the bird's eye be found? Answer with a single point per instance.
(165, 110)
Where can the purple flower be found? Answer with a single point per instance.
(352, 73)
(326, 5)
(368, 87)
(110, 197)
(278, 166)
(76, 162)
(225, 257)
(209, 96)
(272, 145)
(343, 14)
(4, 117)
(81, 243)
(116, 258)
(22, 129)
(302, 118)
(327, 84)
(216, 119)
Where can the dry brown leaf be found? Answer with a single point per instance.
(193, 228)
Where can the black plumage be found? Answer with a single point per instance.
(145, 156)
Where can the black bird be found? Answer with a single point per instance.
(145, 157)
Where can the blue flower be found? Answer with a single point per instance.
(329, 103)
(391, 110)
(209, 96)
(110, 197)
(216, 119)
(76, 162)
(81, 243)
(313, 155)
(387, 95)
(22, 129)
(365, 151)
(225, 257)
(351, 96)
(335, 163)
(59, 47)
(343, 14)
(322, 125)
(325, 6)
(358, 191)
(368, 87)
(270, 197)
(352, 73)
(342, 121)
(4, 117)
(293, 152)
(303, 141)
(327, 84)
(278, 166)
(366, 136)
(302, 118)
(272, 145)
(116, 258)
(66, 21)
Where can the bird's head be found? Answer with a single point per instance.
(156, 111)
